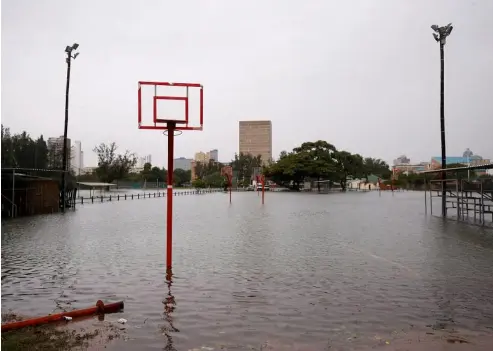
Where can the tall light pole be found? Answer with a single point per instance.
(70, 55)
(440, 35)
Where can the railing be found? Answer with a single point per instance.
(469, 201)
(122, 197)
(14, 214)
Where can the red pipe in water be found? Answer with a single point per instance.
(100, 308)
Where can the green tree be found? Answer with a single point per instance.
(113, 166)
(290, 170)
(214, 180)
(21, 151)
(198, 184)
(181, 177)
(377, 167)
(348, 165)
(159, 174)
(41, 153)
(203, 169)
(243, 165)
(321, 160)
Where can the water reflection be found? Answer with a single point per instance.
(169, 307)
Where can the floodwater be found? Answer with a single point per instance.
(302, 272)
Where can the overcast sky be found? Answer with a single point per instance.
(363, 75)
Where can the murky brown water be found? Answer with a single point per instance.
(302, 272)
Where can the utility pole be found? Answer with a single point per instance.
(68, 50)
(440, 35)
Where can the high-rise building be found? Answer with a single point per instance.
(143, 160)
(467, 153)
(182, 163)
(55, 152)
(76, 164)
(256, 139)
(402, 160)
(201, 157)
(214, 155)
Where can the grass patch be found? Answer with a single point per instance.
(55, 337)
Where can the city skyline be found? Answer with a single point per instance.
(141, 160)
(213, 154)
(375, 107)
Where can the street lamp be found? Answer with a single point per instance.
(71, 54)
(440, 35)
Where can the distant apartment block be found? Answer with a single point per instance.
(409, 168)
(402, 160)
(214, 155)
(205, 157)
(475, 160)
(55, 151)
(201, 157)
(143, 160)
(182, 163)
(77, 155)
(256, 139)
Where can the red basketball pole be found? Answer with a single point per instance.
(169, 125)
(230, 181)
(256, 184)
(169, 195)
(263, 188)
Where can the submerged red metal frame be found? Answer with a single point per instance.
(99, 308)
(156, 120)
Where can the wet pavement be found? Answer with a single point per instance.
(302, 272)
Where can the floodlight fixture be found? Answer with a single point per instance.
(76, 54)
(441, 33)
(75, 46)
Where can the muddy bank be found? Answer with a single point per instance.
(79, 334)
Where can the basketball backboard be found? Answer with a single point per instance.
(161, 103)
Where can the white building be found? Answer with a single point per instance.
(76, 159)
(214, 155)
(143, 160)
(55, 150)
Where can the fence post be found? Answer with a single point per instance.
(101, 198)
(138, 196)
(132, 196)
(82, 200)
(118, 197)
(92, 198)
(110, 197)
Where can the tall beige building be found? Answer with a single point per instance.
(201, 157)
(256, 139)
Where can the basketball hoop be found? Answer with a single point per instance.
(177, 132)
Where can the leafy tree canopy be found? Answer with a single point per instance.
(113, 166)
(321, 160)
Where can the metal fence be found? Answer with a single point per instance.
(140, 196)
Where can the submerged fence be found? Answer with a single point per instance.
(122, 197)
